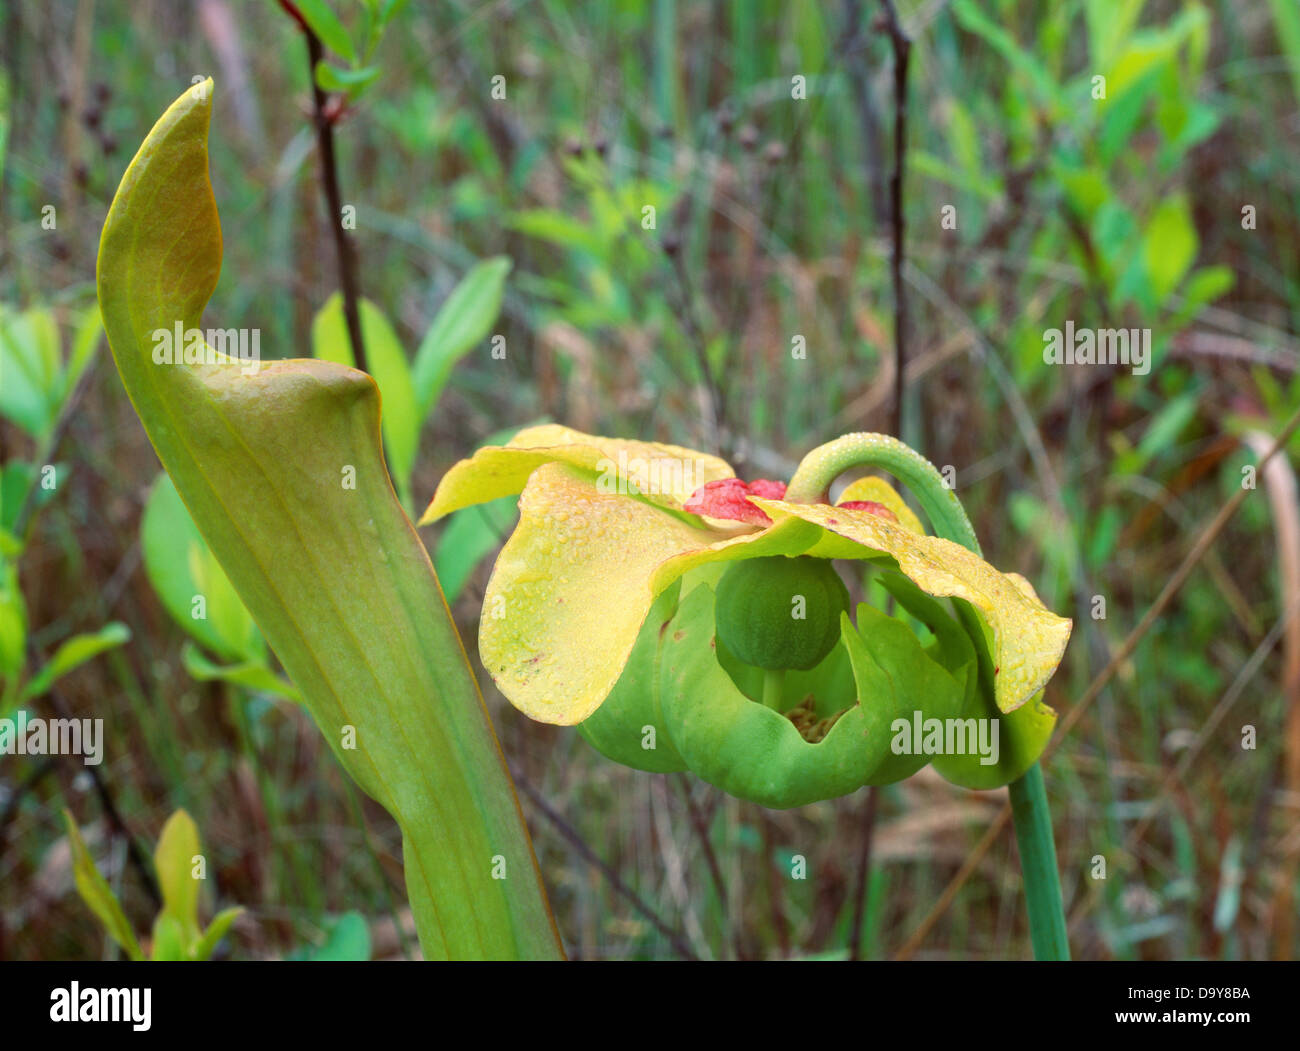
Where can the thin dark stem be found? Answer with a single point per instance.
(864, 873)
(701, 827)
(774, 890)
(695, 334)
(580, 845)
(902, 46)
(853, 44)
(345, 252)
(136, 855)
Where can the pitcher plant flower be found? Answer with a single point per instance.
(686, 619)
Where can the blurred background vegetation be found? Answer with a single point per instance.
(1169, 204)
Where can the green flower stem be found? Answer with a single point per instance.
(773, 688)
(1033, 823)
(948, 519)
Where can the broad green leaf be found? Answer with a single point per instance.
(387, 361)
(1169, 245)
(173, 858)
(346, 938)
(72, 654)
(283, 472)
(183, 570)
(96, 893)
(27, 381)
(465, 318)
(326, 25)
(168, 939)
(13, 630)
(85, 339)
(472, 534)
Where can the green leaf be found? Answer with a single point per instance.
(85, 340)
(173, 858)
(390, 10)
(74, 653)
(334, 78)
(96, 893)
(1286, 16)
(974, 20)
(346, 938)
(168, 939)
(13, 632)
(558, 228)
(326, 25)
(387, 361)
(334, 575)
(1160, 435)
(182, 569)
(251, 675)
(1169, 245)
(217, 929)
(27, 375)
(465, 318)
(471, 535)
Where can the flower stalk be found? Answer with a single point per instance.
(1030, 813)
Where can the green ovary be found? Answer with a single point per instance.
(780, 613)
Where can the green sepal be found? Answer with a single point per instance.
(618, 728)
(896, 679)
(748, 750)
(1022, 734)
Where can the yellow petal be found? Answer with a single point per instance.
(1028, 639)
(575, 580)
(881, 492)
(664, 474)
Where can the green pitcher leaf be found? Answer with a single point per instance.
(282, 469)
